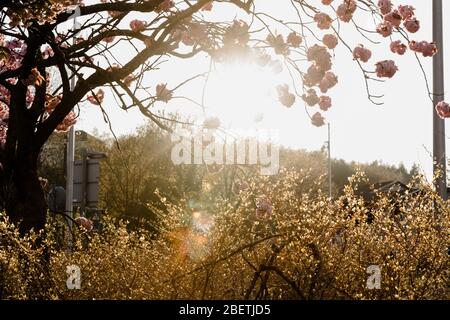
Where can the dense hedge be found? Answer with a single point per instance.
(273, 241)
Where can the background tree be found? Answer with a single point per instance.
(138, 171)
(135, 170)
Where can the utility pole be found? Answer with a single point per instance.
(70, 158)
(439, 159)
(70, 151)
(329, 161)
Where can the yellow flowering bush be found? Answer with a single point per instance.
(277, 237)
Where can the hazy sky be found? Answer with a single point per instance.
(398, 131)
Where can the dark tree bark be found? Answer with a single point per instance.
(25, 201)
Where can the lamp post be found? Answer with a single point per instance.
(439, 159)
(70, 151)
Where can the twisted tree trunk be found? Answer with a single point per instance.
(23, 196)
(25, 200)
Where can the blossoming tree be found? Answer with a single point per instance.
(41, 54)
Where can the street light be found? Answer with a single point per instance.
(70, 152)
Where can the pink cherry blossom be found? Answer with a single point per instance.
(330, 41)
(346, 9)
(426, 48)
(128, 80)
(114, 14)
(195, 34)
(84, 223)
(15, 51)
(97, 99)
(264, 208)
(324, 64)
(361, 53)
(162, 93)
(398, 47)
(327, 2)
(412, 25)
(429, 49)
(237, 33)
(324, 103)
(4, 93)
(3, 134)
(329, 81)
(68, 122)
(138, 25)
(165, 6)
(323, 20)
(47, 52)
(294, 39)
(313, 76)
(109, 39)
(320, 55)
(407, 11)
(394, 18)
(385, 6)
(4, 112)
(317, 119)
(443, 109)
(385, 29)
(416, 46)
(278, 44)
(286, 98)
(310, 97)
(386, 69)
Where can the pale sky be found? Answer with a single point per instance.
(398, 131)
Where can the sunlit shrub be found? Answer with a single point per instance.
(308, 247)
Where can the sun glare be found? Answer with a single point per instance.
(240, 95)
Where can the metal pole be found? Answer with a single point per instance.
(439, 159)
(329, 161)
(84, 181)
(70, 156)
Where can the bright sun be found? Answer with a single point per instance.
(240, 95)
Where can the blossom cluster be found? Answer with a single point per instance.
(318, 78)
(15, 51)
